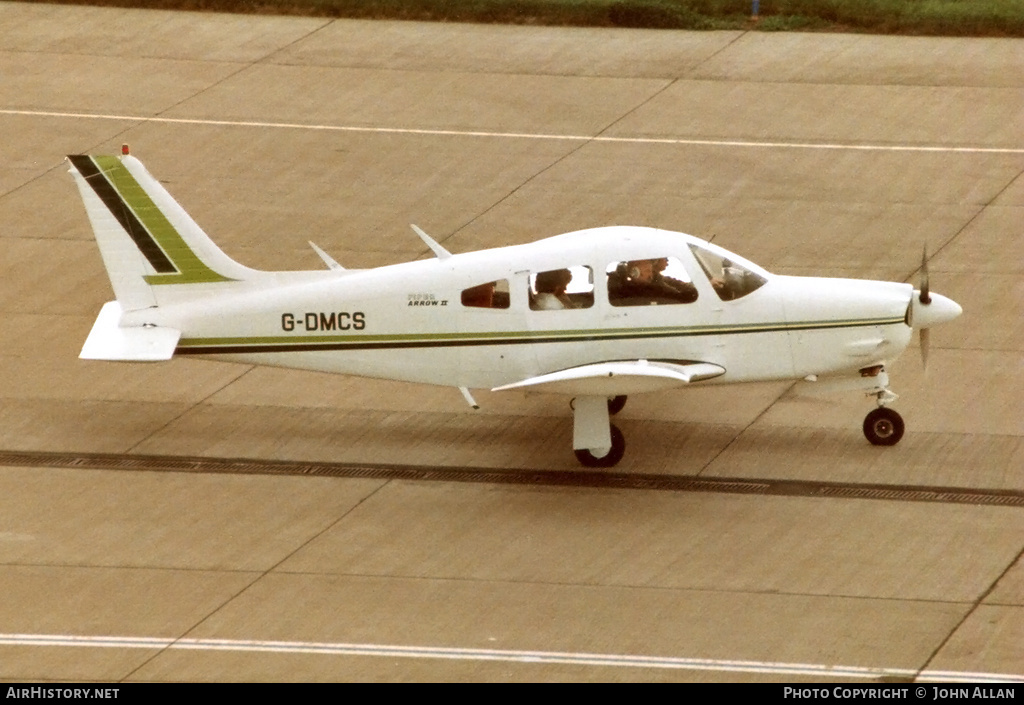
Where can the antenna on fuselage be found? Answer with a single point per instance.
(328, 260)
(431, 243)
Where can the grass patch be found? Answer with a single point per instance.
(1001, 18)
(933, 17)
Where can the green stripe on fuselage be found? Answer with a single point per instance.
(191, 269)
(282, 343)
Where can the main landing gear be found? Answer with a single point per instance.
(597, 442)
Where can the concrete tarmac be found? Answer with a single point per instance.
(836, 155)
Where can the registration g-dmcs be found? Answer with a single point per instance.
(321, 321)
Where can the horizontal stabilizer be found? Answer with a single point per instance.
(109, 341)
(619, 377)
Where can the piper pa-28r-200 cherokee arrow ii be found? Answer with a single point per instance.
(596, 314)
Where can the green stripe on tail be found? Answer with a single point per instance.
(191, 270)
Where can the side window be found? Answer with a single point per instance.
(649, 282)
(729, 280)
(557, 289)
(490, 295)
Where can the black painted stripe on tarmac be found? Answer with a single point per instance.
(513, 476)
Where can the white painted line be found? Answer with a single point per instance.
(962, 677)
(522, 135)
(541, 657)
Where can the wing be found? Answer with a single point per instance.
(619, 377)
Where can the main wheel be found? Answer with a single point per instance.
(611, 458)
(615, 404)
(883, 427)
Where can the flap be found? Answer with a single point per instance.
(109, 341)
(619, 377)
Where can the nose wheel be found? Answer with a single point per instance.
(883, 427)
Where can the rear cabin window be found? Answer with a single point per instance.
(490, 295)
(649, 282)
(558, 289)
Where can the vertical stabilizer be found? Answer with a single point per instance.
(153, 251)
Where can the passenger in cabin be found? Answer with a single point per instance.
(551, 294)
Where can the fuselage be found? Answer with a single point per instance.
(478, 319)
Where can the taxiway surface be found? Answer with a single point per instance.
(838, 155)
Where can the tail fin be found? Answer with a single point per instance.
(150, 246)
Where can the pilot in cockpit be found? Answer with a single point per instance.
(642, 282)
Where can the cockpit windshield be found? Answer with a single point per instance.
(729, 279)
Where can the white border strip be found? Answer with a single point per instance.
(522, 135)
(540, 657)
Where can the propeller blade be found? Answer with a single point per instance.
(925, 298)
(925, 341)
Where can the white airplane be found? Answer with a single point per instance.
(597, 314)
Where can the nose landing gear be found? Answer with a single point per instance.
(883, 427)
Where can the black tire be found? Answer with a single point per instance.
(588, 459)
(615, 404)
(883, 427)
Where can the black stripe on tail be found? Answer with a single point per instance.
(128, 220)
